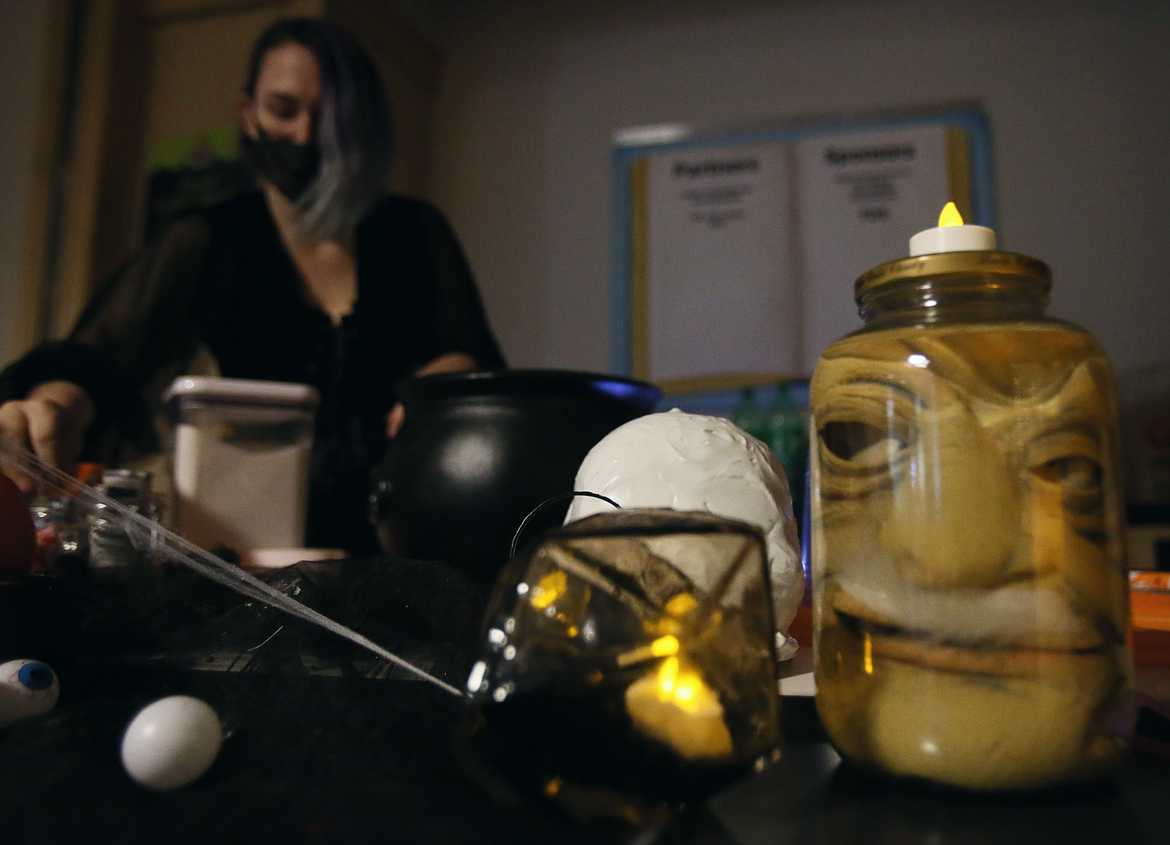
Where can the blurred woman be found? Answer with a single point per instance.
(318, 277)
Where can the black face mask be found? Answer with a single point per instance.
(290, 166)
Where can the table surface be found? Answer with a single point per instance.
(320, 747)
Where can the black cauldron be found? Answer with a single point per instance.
(479, 451)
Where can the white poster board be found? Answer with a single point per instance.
(862, 195)
(714, 305)
(742, 256)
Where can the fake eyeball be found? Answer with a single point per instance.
(693, 462)
(27, 688)
(171, 742)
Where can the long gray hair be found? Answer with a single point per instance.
(354, 127)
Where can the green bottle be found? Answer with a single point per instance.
(748, 415)
(788, 440)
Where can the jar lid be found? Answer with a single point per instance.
(952, 265)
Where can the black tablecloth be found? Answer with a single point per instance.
(326, 744)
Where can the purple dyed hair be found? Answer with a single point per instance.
(355, 126)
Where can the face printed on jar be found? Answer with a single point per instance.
(943, 471)
(969, 563)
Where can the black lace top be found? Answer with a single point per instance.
(223, 278)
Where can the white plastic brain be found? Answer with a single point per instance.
(699, 463)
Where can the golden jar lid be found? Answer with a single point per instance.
(944, 266)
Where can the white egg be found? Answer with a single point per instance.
(699, 463)
(27, 688)
(171, 742)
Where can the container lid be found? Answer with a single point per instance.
(239, 391)
(953, 265)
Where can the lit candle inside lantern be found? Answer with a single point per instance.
(952, 235)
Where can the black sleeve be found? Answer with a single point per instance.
(138, 328)
(463, 325)
(120, 413)
(145, 316)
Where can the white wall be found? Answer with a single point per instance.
(23, 26)
(1077, 93)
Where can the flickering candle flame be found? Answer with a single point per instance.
(952, 235)
(662, 647)
(950, 216)
(675, 706)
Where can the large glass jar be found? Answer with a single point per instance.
(970, 594)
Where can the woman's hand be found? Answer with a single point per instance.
(50, 422)
(451, 362)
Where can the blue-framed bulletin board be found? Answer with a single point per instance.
(735, 251)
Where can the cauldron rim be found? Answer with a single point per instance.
(526, 382)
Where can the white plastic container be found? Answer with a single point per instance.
(241, 461)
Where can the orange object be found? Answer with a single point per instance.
(89, 473)
(1149, 580)
(1151, 610)
(801, 628)
(18, 537)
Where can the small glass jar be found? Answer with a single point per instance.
(970, 596)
